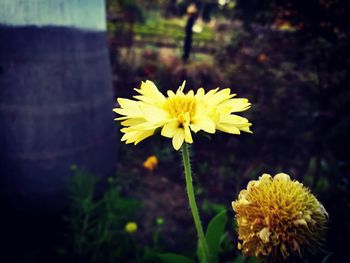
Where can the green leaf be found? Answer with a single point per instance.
(253, 260)
(213, 207)
(243, 259)
(325, 259)
(174, 258)
(215, 231)
(239, 259)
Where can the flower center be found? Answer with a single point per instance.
(182, 108)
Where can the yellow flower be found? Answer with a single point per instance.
(179, 114)
(131, 227)
(277, 217)
(151, 163)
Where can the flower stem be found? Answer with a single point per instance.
(193, 205)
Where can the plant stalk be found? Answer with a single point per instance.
(193, 205)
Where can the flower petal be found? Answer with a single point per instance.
(203, 123)
(188, 135)
(178, 138)
(150, 92)
(169, 129)
(228, 128)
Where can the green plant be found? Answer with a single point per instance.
(96, 221)
(214, 237)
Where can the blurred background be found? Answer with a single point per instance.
(68, 187)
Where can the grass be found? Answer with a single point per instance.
(167, 31)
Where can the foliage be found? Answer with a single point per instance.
(163, 31)
(328, 19)
(95, 224)
(125, 10)
(174, 258)
(214, 236)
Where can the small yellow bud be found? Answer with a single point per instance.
(160, 221)
(131, 227)
(151, 163)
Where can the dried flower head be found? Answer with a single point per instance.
(277, 217)
(179, 114)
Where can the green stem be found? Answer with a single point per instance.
(193, 205)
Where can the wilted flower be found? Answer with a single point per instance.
(131, 227)
(277, 217)
(180, 113)
(151, 163)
